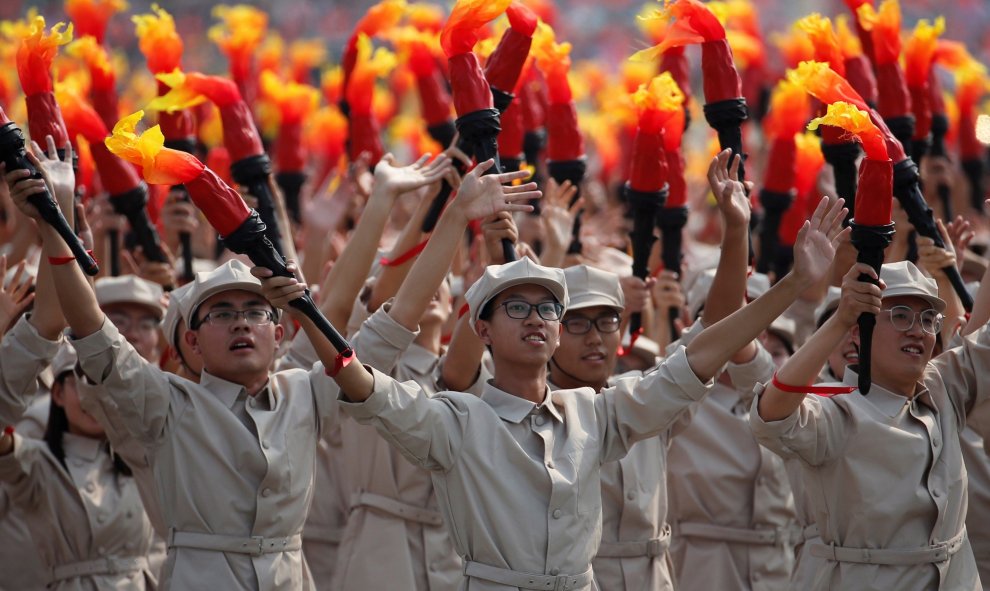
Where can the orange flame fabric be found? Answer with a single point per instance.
(826, 42)
(160, 165)
(554, 60)
(158, 40)
(380, 17)
(658, 101)
(856, 122)
(91, 16)
(794, 46)
(885, 27)
(462, 29)
(36, 52)
(94, 55)
(238, 36)
(295, 101)
(367, 68)
(789, 110)
(919, 51)
(304, 55)
(80, 118)
(823, 83)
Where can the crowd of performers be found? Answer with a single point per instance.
(462, 316)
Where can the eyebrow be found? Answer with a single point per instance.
(247, 304)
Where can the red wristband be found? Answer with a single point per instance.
(404, 257)
(8, 430)
(464, 310)
(819, 390)
(65, 260)
(342, 360)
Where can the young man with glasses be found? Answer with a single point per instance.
(883, 471)
(516, 470)
(134, 305)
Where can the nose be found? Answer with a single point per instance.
(593, 336)
(534, 318)
(916, 328)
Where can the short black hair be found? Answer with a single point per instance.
(488, 310)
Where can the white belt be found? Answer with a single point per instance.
(768, 537)
(523, 580)
(109, 565)
(897, 557)
(254, 545)
(649, 548)
(395, 508)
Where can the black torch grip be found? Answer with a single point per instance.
(726, 118)
(945, 196)
(442, 196)
(133, 205)
(113, 238)
(671, 221)
(250, 239)
(185, 239)
(52, 215)
(870, 242)
(253, 172)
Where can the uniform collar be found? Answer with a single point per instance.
(228, 392)
(85, 448)
(513, 408)
(890, 403)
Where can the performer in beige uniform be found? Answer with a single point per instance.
(884, 470)
(633, 554)
(517, 470)
(79, 501)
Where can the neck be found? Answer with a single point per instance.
(252, 383)
(429, 337)
(566, 381)
(528, 383)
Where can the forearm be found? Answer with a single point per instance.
(75, 294)
(981, 306)
(462, 361)
(717, 343)
(349, 270)
(954, 311)
(6, 443)
(728, 289)
(429, 271)
(800, 369)
(392, 276)
(356, 382)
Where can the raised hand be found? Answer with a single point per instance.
(817, 240)
(15, 297)
(557, 214)
(58, 173)
(730, 193)
(858, 297)
(400, 179)
(280, 290)
(495, 229)
(483, 195)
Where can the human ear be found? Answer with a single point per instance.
(483, 329)
(192, 339)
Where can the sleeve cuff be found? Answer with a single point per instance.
(682, 375)
(94, 351)
(758, 369)
(35, 344)
(387, 329)
(769, 429)
(686, 337)
(374, 404)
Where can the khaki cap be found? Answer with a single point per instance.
(178, 309)
(130, 289)
(904, 279)
(757, 284)
(588, 287)
(498, 278)
(785, 329)
(230, 276)
(829, 305)
(65, 359)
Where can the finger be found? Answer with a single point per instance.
(128, 266)
(482, 167)
(734, 168)
(68, 153)
(522, 207)
(3, 266)
(36, 148)
(820, 211)
(578, 206)
(515, 197)
(52, 151)
(836, 213)
(261, 272)
(508, 177)
(510, 189)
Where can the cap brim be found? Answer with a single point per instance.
(593, 301)
(937, 303)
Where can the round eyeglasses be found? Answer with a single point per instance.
(903, 318)
(520, 309)
(254, 317)
(606, 323)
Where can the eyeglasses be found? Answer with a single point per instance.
(606, 323)
(253, 316)
(125, 323)
(520, 309)
(903, 317)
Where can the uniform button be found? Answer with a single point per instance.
(100, 518)
(554, 572)
(264, 444)
(252, 402)
(539, 421)
(433, 567)
(129, 514)
(936, 493)
(90, 487)
(266, 493)
(557, 513)
(549, 463)
(631, 495)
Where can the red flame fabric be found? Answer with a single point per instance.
(893, 99)
(45, 118)
(510, 139)
(859, 73)
(433, 97)
(290, 150)
(564, 139)
(648, 167)
(365, 137)
(675, 62)
(470, 89)
(677, 197)
(720, 79)
(222, 206)
(506, 62)
(875, 193)
(781, 165)
(921, 105)
(117, 175)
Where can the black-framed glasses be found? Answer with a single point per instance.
(521, 309)
(253, 316)
(903, 318)
(606, 323)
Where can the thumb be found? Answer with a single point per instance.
(482, 167)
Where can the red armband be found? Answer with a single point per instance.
(819, 390)
(65, 260)
(342, 360)
(404, 257)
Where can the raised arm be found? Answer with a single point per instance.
(728, 290)
(478, 196)
(351, 267)
(813, 254)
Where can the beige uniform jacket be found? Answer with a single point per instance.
(393, 508)
(518, 483)
(886, 478)
(978, 518)
(234, 473)
(88, 524)
(731, 506)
